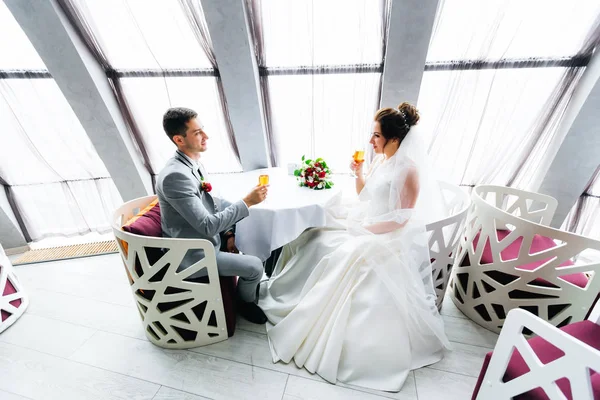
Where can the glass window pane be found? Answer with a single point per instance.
(328, 116)
(497, 29)
(476, 120)
(142, 34)
(16, 51)
(149, 98)
(333, 32)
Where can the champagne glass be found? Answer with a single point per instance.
(359, 156)
(263, 180)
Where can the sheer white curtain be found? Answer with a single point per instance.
(59, 185)
(16, 51)
(142, 34)
(477, 120)
(312, 32)
(507, 29)
(161, 64)
(150, 97)
(499, 75)
(321, 65)
(56, 183)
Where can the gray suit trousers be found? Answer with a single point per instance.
(248, 268)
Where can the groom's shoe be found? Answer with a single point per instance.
(251, 312)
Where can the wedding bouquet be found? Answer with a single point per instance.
(314, 174)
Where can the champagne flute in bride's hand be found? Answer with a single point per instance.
(359, 158)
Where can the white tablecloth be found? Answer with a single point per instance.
(288, 210)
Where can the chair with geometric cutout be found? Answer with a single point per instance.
(556, 364)
(178, 310)
(13, 299)
(444, 236)
(509, 258)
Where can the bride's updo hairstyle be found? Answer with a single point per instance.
(396, 122)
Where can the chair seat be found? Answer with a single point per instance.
(585, 331)
(539, 243)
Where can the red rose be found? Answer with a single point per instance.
(309, 171)
(206, 186)
(318, 165)
(322, 174)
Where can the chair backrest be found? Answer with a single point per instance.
(530, 206)
(595, 312)
(444, 236)
(13, 298)
(178, 309)
(487, 282)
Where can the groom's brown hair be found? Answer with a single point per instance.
(175, 120)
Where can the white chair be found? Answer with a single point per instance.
(444, 236)
(177, 312)
(552, 358)
(13, 298)
(509, 258)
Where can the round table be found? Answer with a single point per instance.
(288, 210)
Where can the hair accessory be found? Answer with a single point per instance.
(404, 117)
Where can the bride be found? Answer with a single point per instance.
(354, 301)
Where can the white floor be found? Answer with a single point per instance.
(81, 338)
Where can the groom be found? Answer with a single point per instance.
(188, 210)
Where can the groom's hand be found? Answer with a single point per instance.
(256, 195)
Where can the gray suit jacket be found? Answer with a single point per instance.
(188, 212)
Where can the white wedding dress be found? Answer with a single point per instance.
(353, 306)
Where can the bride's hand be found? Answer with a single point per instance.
(357, 168)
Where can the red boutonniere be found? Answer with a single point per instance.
(205, 186)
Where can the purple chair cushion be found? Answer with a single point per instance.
(146, 223)
(539, 243)
(585, 331)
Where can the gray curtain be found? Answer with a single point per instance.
(585, 215)
(255, 22)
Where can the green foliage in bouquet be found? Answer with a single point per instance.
(314, 174)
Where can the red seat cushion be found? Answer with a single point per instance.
(539, 243)
(147, 223)
(8, 290)
(585, 331)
